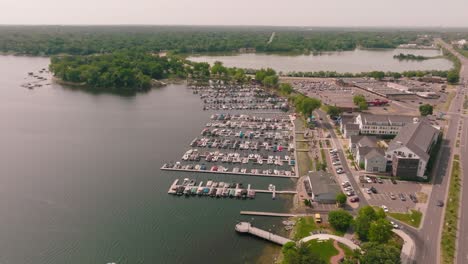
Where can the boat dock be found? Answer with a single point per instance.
(230, 172)
(246, 227)
(221, 189)
(280, 214)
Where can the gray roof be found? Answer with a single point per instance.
(347, 119)
(368, 141)
(417, 137)
(375, 152)
(363, 151)
(323, 183)
(386, 119)
(351, 127)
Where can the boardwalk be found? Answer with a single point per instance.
(245, 227)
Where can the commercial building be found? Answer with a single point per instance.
(410, 150)
(322, 187)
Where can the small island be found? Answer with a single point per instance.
(403, 56)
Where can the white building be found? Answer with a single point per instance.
(381, 124)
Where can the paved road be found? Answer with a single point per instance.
(462, 246)
(428, 237)
(344, 160)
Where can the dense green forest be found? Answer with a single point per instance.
(131, 71)
(85, 40)
(402, 56)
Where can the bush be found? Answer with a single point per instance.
(340, 220)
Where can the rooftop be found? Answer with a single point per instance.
(417, 137)
(386, 119)
(323, 183)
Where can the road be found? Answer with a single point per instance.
(342, 155)
(428, 237)
(462, 242)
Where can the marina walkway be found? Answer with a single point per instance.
(245, 227)
(230, 172)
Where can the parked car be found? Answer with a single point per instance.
(345, 184)
(413, 198)
(393, 181)
(392, 196)
(440, 203)
(368, 191)
(402, 197)
(373, 189)
(385, 208)
(354, 199)
(379, 180)
(350, 193)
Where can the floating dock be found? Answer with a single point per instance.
(230, 172)
(246, 227)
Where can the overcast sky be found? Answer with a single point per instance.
(409, 13)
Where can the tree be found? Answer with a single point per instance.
(380, 231)
(379, 75)
(333, 110)
(376, 253)
(218, 68)
(453, 77)
(426, 109)
(363, 105)
(308, 105)
(358, 99)
(270, 81)
(363, 221)
(286, 88)
(341, 198)
(300, 254)
(340, 220)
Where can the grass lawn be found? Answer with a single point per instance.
(348, 252)
(449, 231)
(324, 248)
(412, 219)
(304, 225)
(304, 162)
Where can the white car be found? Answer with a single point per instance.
(394, 225)
(336, 163)
(345, 184)
(368, 191)
(385, 208)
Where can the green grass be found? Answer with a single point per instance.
(304, 163)
(465, 102)
(412, 219)
(304, 225)
(449, 231)
(445, 105)
(324, 249)
(348, 252)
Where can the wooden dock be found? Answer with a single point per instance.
(269, 214)
(245, 227)
(230, 172)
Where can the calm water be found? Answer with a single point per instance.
(80, 179)
(346, 61)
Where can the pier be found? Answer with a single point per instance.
(230, 172)
(245, 227)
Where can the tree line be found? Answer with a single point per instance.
(85, 40)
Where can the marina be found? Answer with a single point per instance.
(188, 187)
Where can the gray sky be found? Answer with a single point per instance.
(448, 13)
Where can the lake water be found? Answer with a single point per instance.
(80, 179)
(345, 61)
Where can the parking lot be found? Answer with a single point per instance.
(388, 194)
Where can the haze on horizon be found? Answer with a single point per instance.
(330, 13)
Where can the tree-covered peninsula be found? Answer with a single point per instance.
(133, 71)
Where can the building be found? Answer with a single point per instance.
(410, 150)
(370, 124)
(350, 129)
(322, 187)
(368, 154)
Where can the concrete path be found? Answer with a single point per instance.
(342, 240)
(408, 251)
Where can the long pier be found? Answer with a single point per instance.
(230, 172)
(245, 227)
